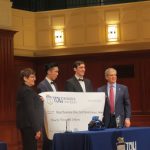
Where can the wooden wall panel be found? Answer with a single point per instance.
(8, 131)
(145, 85)
(6, 75)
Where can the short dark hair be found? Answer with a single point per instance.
(50, 66)
(78, 63)
(26, 73)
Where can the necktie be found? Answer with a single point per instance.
(52, 82)
(111, 99)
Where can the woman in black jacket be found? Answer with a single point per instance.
(29, 110)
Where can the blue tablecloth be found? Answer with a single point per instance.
(135, 138)
(3, 146)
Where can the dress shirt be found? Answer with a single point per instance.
(81, 81)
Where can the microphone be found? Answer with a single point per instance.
(67, 126)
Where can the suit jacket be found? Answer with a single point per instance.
(29, 111)
(73, 85)
(44, 86)
(122, 103)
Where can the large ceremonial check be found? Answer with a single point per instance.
(71, 111)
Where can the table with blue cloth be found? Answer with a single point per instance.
(3, 146)
(135, 138)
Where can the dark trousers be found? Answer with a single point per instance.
(112, 123)
(47, 144)
(28, 139)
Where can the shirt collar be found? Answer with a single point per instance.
(49, 81)
(114, 85)
(78, 77)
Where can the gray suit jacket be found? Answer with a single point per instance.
(122, 103)
(73, 85)
(44, 86)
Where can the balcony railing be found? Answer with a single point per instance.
(84, 3)
(43, 5)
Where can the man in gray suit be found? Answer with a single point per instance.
(117, 103)
(48, 84)
(78, 83)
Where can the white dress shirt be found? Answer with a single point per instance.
(81, 83)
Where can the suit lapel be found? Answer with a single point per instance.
(106, 93)
(117, 93)
(86, 85)
(48, 85)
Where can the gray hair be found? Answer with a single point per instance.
(108, 70)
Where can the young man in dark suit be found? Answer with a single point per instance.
(48, 84)
(78, 83)
(117, 103)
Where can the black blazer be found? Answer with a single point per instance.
(44, 86)
(122, 103)
(29, 109)
(73, 85)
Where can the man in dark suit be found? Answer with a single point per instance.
(78, 83)
(48, 84)
(117, 103)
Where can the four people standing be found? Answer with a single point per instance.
(30, 108)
